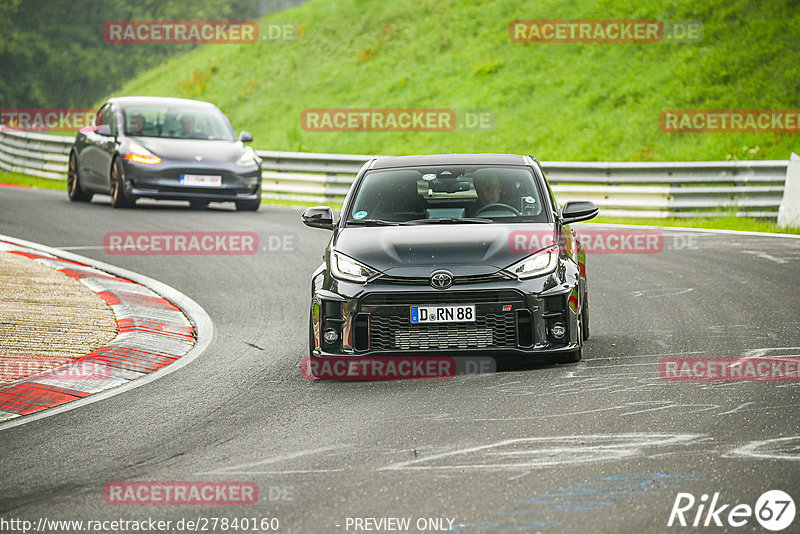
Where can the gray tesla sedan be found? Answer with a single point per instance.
(449, 255)
(164, 148)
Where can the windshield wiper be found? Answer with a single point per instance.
(450, 220)
(371, 222)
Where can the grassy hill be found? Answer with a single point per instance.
(558, 101)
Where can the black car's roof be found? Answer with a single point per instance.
(124, 101)
(449, 159)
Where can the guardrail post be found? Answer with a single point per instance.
(789, 211)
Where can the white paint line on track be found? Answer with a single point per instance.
(203, 325)
(237, 469)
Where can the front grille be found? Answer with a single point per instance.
(441, 297)
(491, 330)
(457, 280)
(189, 189)
(390, 328)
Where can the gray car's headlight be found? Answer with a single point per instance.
(346, 268)
(543, 262)
(247, 158)
(140, 154)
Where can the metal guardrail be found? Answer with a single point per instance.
(674, 189)
(35, 154)
(621, 189)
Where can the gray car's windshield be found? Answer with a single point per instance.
(448, 194)
(177, 123)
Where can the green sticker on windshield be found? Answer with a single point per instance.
(360, 215)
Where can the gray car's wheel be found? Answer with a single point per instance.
(249, 205)
(75, 191)
(118, 197)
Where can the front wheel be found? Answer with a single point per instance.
(585, 317)
(311, 339)
(74, 190)
(248, 205)
(118, 197)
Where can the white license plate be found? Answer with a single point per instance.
(443, 314)
(201, 180)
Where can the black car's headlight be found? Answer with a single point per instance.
(346, 268)
(538, 264)
(247, 158)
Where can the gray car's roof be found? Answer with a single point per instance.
(125, 101)
(449, 159)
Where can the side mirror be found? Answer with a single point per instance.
(104, 130)
(318, 217)
(578, 210)
(245, 137)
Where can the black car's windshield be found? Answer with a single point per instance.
(448, 194)
(177, 123)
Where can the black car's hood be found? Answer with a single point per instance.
(463, 249)
(189, 149)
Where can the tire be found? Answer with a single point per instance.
(248, 205)
(118, 197)
(585, 317)
(198, 204)
(310, 334)
(75, 191)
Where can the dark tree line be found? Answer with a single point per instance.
(53, 53)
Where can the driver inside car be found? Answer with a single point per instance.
(189, 129)
(488, 189)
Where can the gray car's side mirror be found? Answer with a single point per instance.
(578, 210)
(104, 130)
(245, 137)
(318, 217)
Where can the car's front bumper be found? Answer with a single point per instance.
(514, 319)
(164, 182)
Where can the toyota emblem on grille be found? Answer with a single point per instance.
(441, 279)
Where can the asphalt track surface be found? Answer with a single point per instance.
(600, 446)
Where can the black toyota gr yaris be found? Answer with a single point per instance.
(449, 255)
